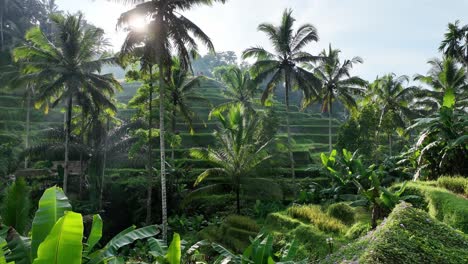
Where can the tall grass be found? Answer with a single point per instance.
(315, 215)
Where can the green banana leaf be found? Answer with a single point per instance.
(52, 206)
(3, 245)
(109, 253)
(174, 252)
(63, 245)
(20, 248)
(95, 233)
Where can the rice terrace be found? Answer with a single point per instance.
(233, 131)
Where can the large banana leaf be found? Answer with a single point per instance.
(174, 251)
(64, 243)
(20, 248)
(95, 233)
(109, 253)
(3, 245)
(52, 206)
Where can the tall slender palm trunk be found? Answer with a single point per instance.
(173, 128)
(104, 161)
(163, 151)
(288, 129)
(330, 143)
(67, 143)
(28, 125)
(82, 135)
(150, 150)
(2, 37)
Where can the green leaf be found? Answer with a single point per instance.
(95, 233)
(3, 244)
(157, 246)
(64, 243)
(449, 98)
(52, 206)
(20, 248)
(127, 237)
(174, 251)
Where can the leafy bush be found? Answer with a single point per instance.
(234, 232)
(16, 205)
(315, 215)
(357, 230)
(57, 236)
(441, 204)
(455, 184)
(408, 235)
(343, 212)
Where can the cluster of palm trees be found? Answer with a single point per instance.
(64, 70)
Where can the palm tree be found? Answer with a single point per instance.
(393, 97)
(455, 43)
(240, 88)
(285, 65)
(337, 84)
(5, 6)
(181, 85)
(168, 30)
(443, 76)
(66, 67)
(240, 153)
(442, 141)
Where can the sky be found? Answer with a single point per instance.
(397, 36)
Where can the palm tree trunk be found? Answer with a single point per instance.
(330, 145)
(163, 150)
(150, 150)
(28, 124)
(238, 199)
(104, 160)
(2, 39)
(81, 153)
(174, 122)
(291, 157)
(374, 216)
(67, 143)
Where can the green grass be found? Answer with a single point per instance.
(313, 214)
(442, 204)
(455, 184)
(408, 235)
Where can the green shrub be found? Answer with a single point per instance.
(455, 184)
(343, 212)
(409, 235)
(242, 222)
(43, 164)
(315, 215)
(357, 230)
(442, 204)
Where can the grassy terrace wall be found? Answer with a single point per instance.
(309, 129)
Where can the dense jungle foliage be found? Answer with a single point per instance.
(158, 154)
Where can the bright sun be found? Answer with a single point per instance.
(138, 23)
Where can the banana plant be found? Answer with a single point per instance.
(176, 253)
(260, 251)
(57, 235)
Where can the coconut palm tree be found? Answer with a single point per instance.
(455, 43)
(394, 99)
(66, 67)
(182, 86)
(337, 84)
(167, 30)
(443, 76)
(284, 65)
(237, 159)
(240, 88)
